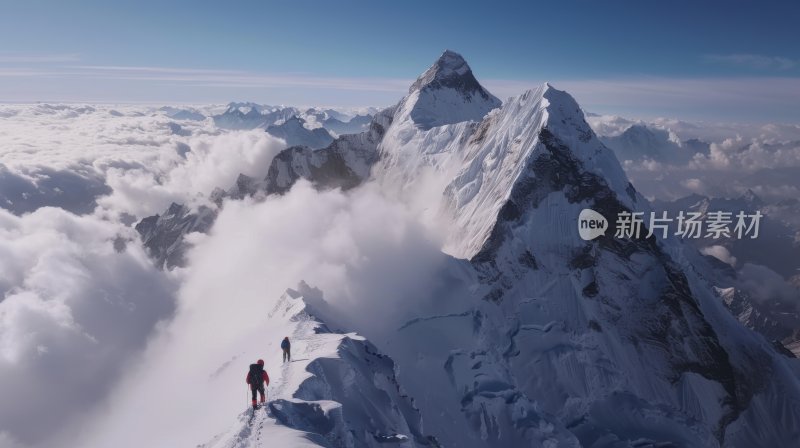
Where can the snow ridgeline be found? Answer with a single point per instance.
(334, 393)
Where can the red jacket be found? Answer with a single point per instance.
(264, 378)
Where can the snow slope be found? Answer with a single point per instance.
(335, 392)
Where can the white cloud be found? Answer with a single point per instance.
(66, 287)
(79, 298)
(762, 157)
(38, 58)
(147, 158)
(765, 284)
(78, 301)
(721, 253)
(756, 61)
(748, 99)
(693, 184)
(200, 77)
(213, 161)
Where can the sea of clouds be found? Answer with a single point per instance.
(79, 298)
(764, 158)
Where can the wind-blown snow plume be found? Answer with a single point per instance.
(368, 255)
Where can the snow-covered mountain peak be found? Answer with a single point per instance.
(450, 67)
(447, 93)
(751, 198)
(294, 122)
(540, 131)
(479, 165)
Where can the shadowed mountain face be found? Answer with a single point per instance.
(295, 133)
(754, 275)
(448, 93)
(536, 337)
(73, 190)
(251, 116)
(355, 125)
(775, 247)
(163, 235)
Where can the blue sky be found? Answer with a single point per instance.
(714, 60)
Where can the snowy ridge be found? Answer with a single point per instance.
(295, 133)
(641, 142)
(505, 143)
(252, 115)
(339, 391)
(345, 163)
(163, 234)
(359, 123)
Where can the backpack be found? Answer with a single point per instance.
(256, 376)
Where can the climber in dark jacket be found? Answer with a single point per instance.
(257, 378)
(287, 349)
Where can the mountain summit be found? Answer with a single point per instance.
(448, 93)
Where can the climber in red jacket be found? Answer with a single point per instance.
(257, 378)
